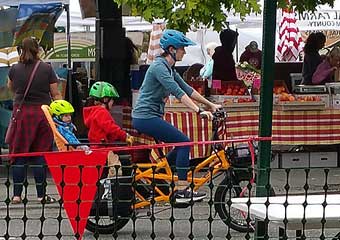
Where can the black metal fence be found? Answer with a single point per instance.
(306, 206)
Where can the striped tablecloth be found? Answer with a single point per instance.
(189, 123)
(289, 127)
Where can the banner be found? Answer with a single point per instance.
(83, 47)
(8, 19)
(319, 20)
(37, 20)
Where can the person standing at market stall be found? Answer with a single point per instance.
(325, 72)
(252, 55)
(312, 58)
(160, 81)
(34, 134)
(206, 71)
(224, 63)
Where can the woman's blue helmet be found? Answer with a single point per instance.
(174, 38)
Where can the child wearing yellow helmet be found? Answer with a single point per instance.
(61, 111)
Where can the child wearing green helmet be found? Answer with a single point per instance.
(97, 118)
(61, 111)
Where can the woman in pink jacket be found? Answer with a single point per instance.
(326, 69)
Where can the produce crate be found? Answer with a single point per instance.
(295, 160)
(300, 106)
(241, 107)
(324, 98)
(323, 159)
(226, 99)
(222, 90)
(198, 84)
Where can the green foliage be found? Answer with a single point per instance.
(181, 14)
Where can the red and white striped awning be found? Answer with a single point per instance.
(154, 48)
(290, 42)
(8, 56)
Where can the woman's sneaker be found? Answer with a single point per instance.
(186, 195)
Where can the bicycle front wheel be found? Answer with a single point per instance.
(235, 219)
(230, 187)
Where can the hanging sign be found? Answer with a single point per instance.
(82, 47)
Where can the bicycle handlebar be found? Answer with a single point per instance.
(220, 114)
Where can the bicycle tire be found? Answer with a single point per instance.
(99, 220)
(221, 200)
(110, 228)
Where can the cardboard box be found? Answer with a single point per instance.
(295, 160)
(323, 159)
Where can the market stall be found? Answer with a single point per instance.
(309, 117)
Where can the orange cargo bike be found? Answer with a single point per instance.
(143, 185)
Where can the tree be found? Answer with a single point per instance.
(181, 14)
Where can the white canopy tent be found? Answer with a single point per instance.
(250, 29)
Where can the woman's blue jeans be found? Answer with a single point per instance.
(163, 131)
(19, 167)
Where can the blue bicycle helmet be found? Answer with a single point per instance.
(174, 38)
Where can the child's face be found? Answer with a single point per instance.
(67, 118)
(110, 103)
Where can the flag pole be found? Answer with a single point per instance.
(68, 39)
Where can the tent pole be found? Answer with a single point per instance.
(237, 46)
(68, 39)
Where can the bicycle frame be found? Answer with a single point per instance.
(218, 161)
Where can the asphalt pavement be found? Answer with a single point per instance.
(143, 226)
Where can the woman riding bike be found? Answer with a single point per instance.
(160, 81)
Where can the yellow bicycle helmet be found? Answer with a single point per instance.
(60, 107)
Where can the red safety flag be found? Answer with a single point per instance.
(80, 173)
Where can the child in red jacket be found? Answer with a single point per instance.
(97, 118)
(102, 127)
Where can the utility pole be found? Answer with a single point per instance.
(110, 43)
(266, 106)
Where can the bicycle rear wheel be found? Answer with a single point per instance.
(231, 187)
(111, 212)
(106, 225)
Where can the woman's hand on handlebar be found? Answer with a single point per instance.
(215, 107)
(206, 114)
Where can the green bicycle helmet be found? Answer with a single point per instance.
(60, 107)
(103, 89)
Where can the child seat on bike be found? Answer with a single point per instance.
(60, 141)
(109, 204)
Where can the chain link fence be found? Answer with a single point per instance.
(135, 204)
